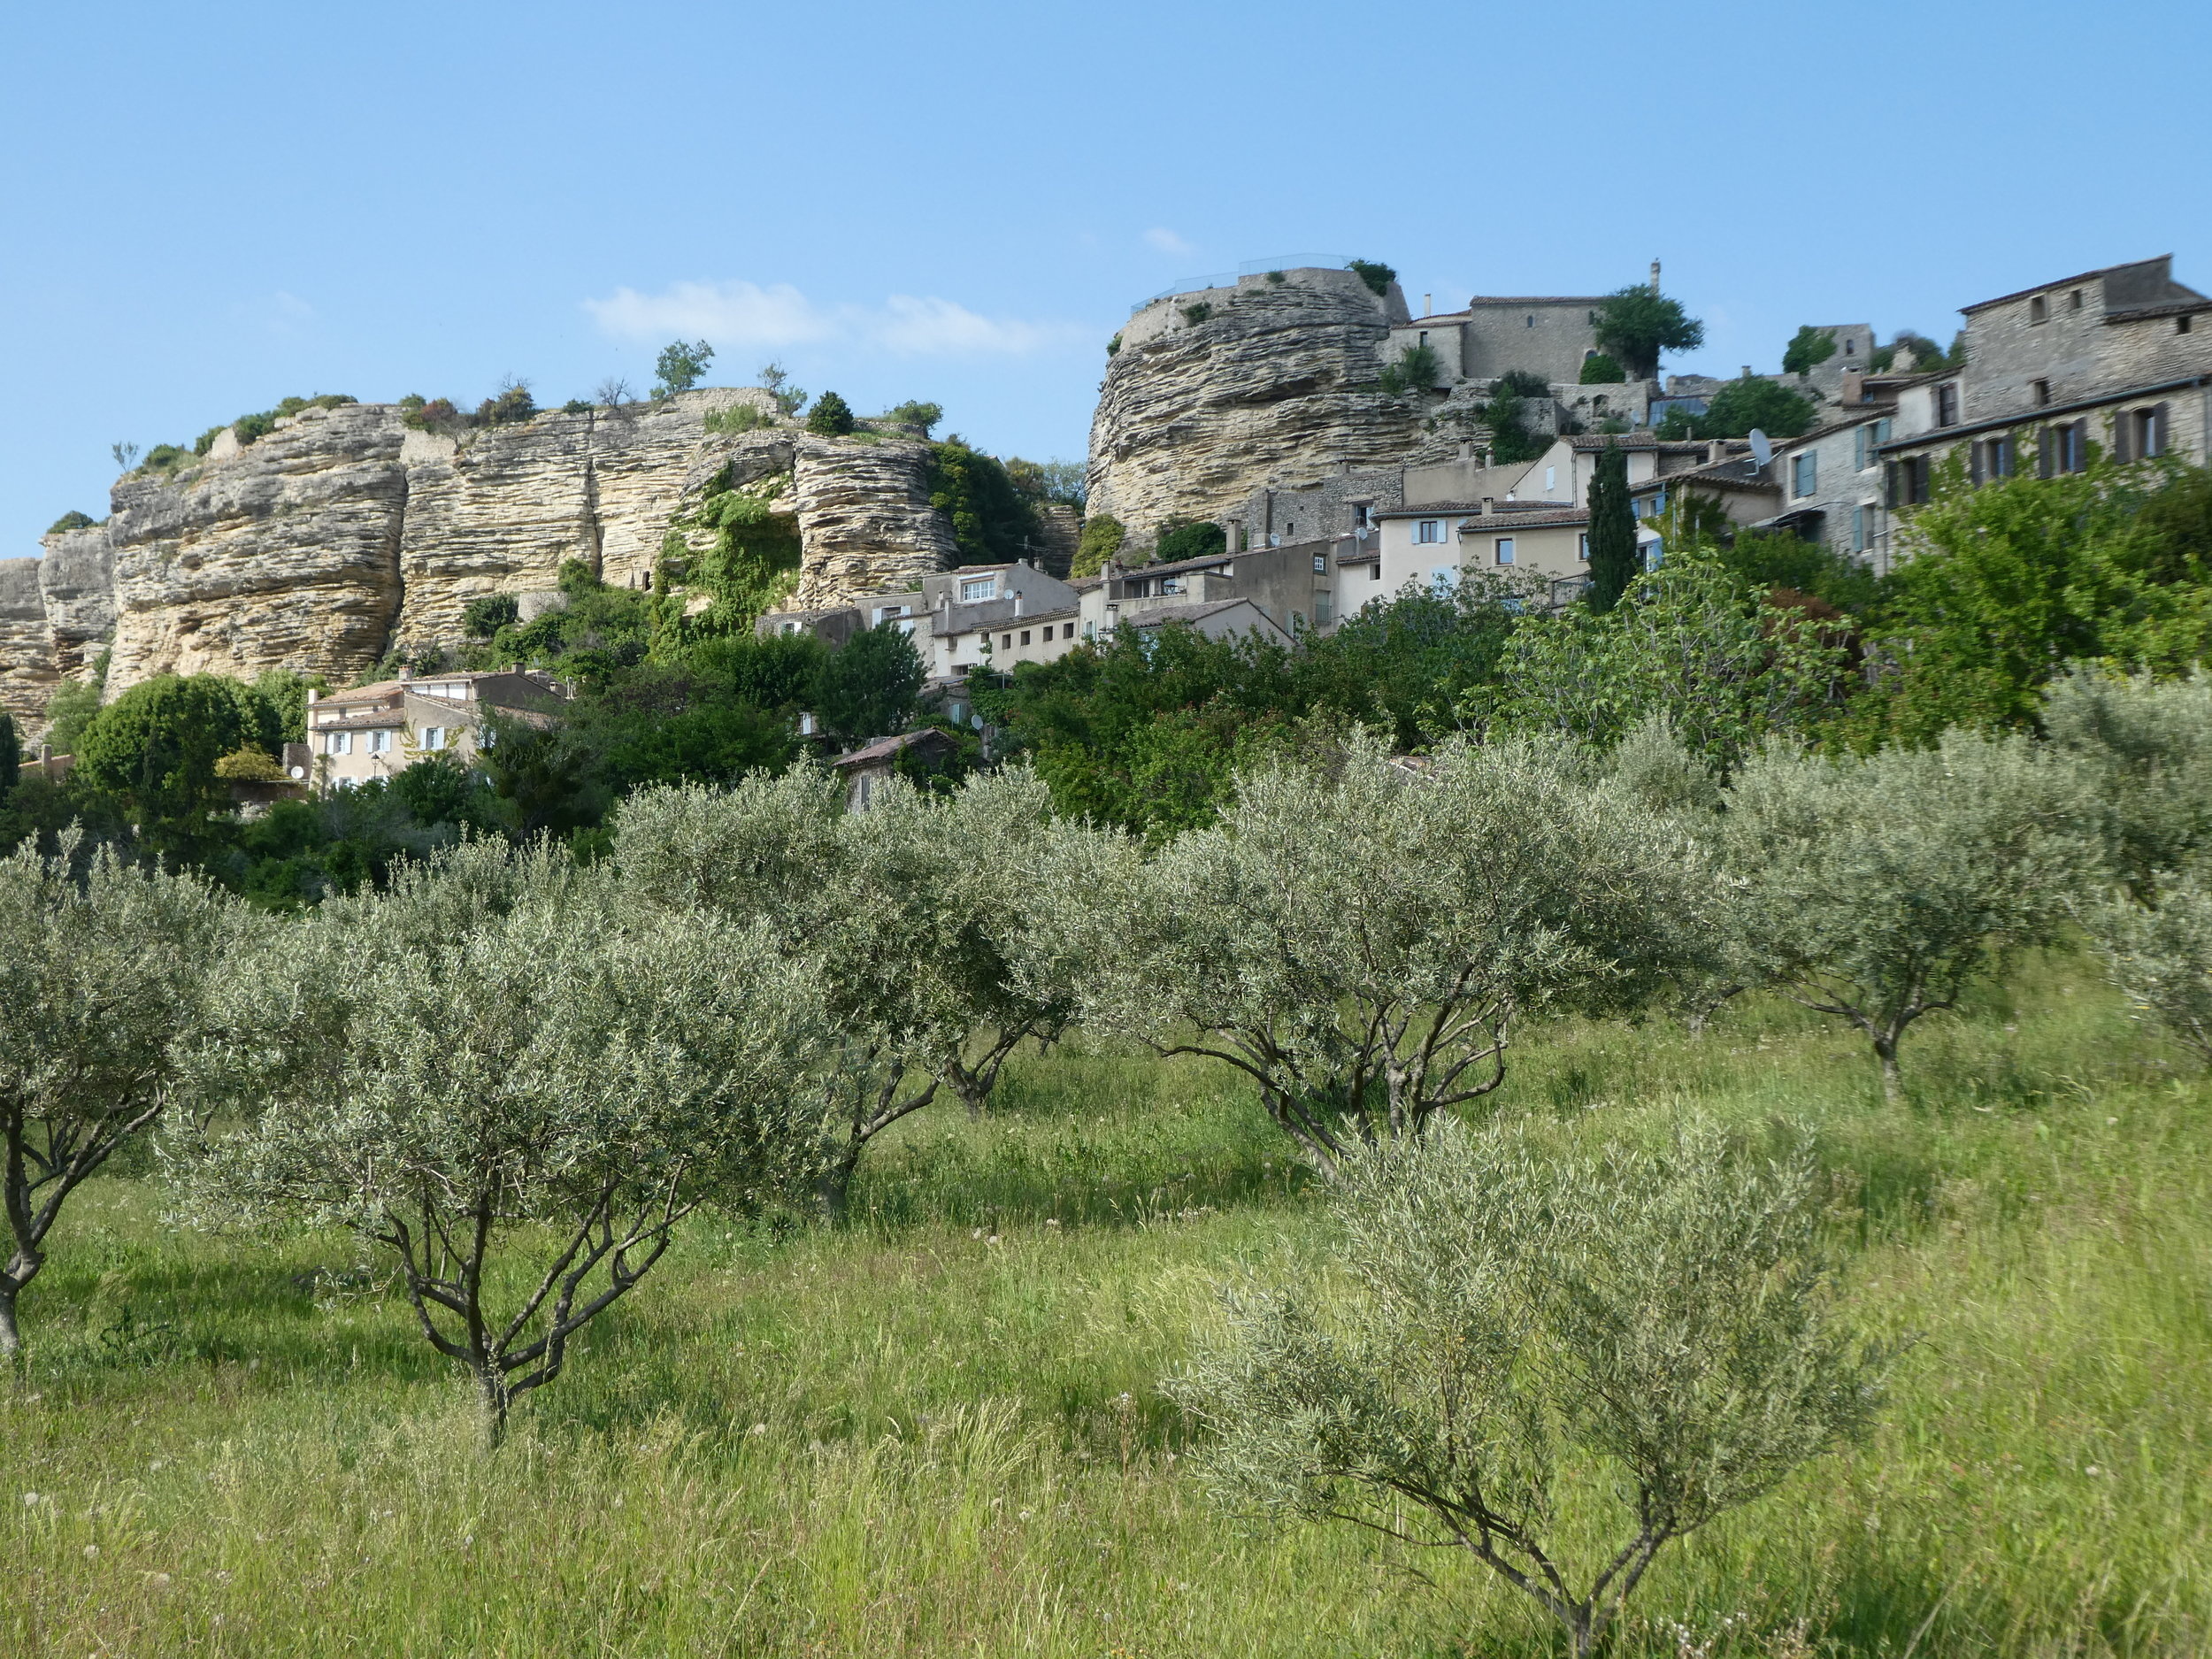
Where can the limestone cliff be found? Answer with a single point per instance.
(344, 533)
(1213, 394)
(865, 512)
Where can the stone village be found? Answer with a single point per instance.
(1257, 402)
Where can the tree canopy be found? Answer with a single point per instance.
(1636, 324)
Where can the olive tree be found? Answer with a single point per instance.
(1359, 940)
(2144, 745)
(520, 1087)
(104, 982)
(922, 914)
(2157, 951)
(1535, 1353)
(1880, 888)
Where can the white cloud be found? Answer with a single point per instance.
(1167, 241)
(744, 314)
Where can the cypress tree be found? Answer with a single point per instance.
(11, 754)
(1614, 563)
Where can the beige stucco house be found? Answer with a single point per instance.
(375, 731)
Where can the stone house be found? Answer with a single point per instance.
(1294, 587)
(375, 731)
(1550, 337)
(2118, 358)
(867, 769)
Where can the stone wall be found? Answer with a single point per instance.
(1276, 384)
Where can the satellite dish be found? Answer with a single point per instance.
(1761, 451)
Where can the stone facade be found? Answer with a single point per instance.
(1547, 336)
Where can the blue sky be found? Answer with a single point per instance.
(204, 208)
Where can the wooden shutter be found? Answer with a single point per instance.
(1974, 462)
(2120, 422)
(1889, 483)
(2045, 451)
(2161, 433)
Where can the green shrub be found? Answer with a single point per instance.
(992, 521)
(205, 441)
(1635, 325)
(1378, 276)
(738, 417)
(482, 617)
(252, 428)
(831, 416)
(1196, 314)
(1178, 542)
(1113, 346)
(577, 406)
(510, 405)
(71, 520)
(1598, 369)
(1277, 277)
(1415, 369)
(165, 457)
(1099, 544)
(437, 415)
(920, 419)
(1738, 407)
(1808, 347)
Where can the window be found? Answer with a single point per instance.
(1006, 642)
(1090, 630)
(1323, 605)
(1067, 630)
(341, 743)
(790, 628)
(975, 588)
(433, 737)
(1362, 515)
(2073, 446)
(1424, 336)
(2040, 308)
(2181, 324)
(1374, 572)
(1850, 345)
(1531, 322)
(1025, 636)
(2073, 301)
(1908, 482)
(1582, 547)
(1320, 564)
(1858, 528)
(2041, 390)
(1881, 431)
(379, 742)
(487, 737)
(2140, 433)
(1172, 584)
(1947, 403)
(1991, 458)
(1429, 530)
(1804, 473)
(885, 613)
(1505, 550)
(1551, 479)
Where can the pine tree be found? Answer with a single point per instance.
(1614, 560)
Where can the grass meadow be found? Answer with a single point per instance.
(938, 1429)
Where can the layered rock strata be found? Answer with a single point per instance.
(865, 514)
(1212, 394)
(344, 533)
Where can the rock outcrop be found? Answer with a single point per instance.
(287, 557)
(26, 659)
(1213, 394)
(344, 533)
(865, 514)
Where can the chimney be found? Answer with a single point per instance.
(1426, 308)
(1746, 370)
(1717, 449)
(313, 696)
(406, 673)
(1489, 504)
(1655, 276)
(1467, 450)
(1854, 385)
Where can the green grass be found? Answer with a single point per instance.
(938, 1430)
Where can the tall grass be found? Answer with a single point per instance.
(938, 1430)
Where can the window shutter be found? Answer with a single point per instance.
(2162, 435)
(1974, 462)
(2120, 422)
(2045, 451)
(1889, 484)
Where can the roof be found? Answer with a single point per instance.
(888, 748)
(413, 686)
(1711, 476)
(2165, 259)
(1482, 524)
(1537, 299)
(1641, 440)
(1196, 610)
(1497, 507)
